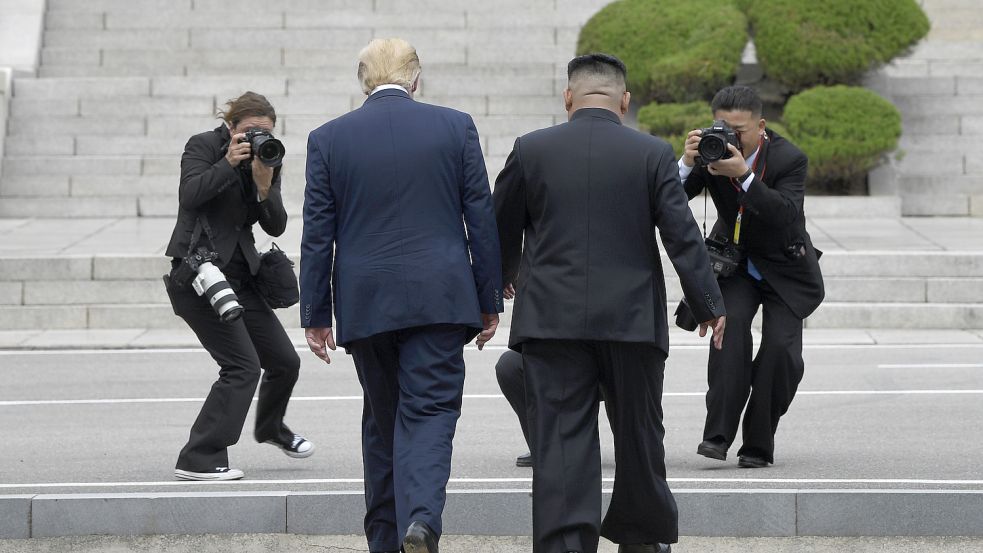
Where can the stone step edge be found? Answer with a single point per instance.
(702, 512)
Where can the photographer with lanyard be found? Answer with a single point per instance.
(758, 188)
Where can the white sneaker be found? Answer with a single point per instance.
(218, 473)
(299, 448)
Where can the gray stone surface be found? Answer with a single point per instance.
(15, 516)
(175, 513)
(872, 513)
(38, 317)
(712, 512)
(319, 513)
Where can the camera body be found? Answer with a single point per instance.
(265, 147)
(713, 143)
(724, 260)
(208, 280)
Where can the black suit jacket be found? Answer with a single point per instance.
(773, 228)
(588, 196)
(227, 196)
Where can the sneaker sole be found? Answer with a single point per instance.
(207, 476)
(292, 454)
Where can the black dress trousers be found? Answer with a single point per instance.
(511, 379)
(254, 343)
(765, 383)
(563, 381)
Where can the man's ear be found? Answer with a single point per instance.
(625, 101)
(415, 85)
(567, 99)
(762, 124)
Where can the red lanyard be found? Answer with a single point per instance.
(737, 187)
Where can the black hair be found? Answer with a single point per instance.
(598, 64)
(736, 98)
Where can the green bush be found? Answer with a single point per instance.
(673, 121)
(675, 50)
(845, 131)
(802, 43)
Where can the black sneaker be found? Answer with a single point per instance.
(217, 473)
(299, 448)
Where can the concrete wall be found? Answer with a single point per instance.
(21, 26)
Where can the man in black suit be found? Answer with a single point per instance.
(590, 309)
(758, 193)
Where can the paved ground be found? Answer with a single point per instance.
(280, 543)
(868, 416)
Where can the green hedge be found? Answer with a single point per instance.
(845, 131)
(802, 43)
(675, 50)
(673, 122)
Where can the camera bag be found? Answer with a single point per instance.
(276, 280)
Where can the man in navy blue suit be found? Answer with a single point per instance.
(400, 240)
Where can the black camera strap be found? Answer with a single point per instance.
(201, 223)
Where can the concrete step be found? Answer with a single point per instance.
(939, 204)
(854, 290)
(962, 104)
(963, 184)
(830, 315)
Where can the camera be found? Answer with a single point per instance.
(211, 283)
(267, 149)
(724, 260)
(714, 141)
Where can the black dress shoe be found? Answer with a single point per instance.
(712, 449)
(524, 460)
(419, 539)
(752, 462)
(645, 548)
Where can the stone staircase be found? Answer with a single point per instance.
(91, 161)
(122, 85)
(938, 88)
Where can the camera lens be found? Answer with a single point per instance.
(269, 150)
(712, 147)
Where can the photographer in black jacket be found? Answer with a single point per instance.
(758, 192)
(224, 190)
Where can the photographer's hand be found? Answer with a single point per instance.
(509, 292)
(718, 326)
(238, 151)
(320, 340)
(263, 177)
(732, 167)
(690, 152)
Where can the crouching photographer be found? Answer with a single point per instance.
(230, 179)
(764, 258)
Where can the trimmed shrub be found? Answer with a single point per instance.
(675, 50)
(805, 43)
(845, 131)
(673, 121)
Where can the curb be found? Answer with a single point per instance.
(711, 513)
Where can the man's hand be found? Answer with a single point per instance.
(263, 177)
(489, 321)
(732, 167)
(690, 150)
(717, 325)
(509, 292)
(238, 151)
(320, 340)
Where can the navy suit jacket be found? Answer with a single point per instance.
(399, 229)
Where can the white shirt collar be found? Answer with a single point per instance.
(388, 87)
(750, 159)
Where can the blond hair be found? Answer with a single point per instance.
(388, 61)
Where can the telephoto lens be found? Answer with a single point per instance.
(211, 284)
